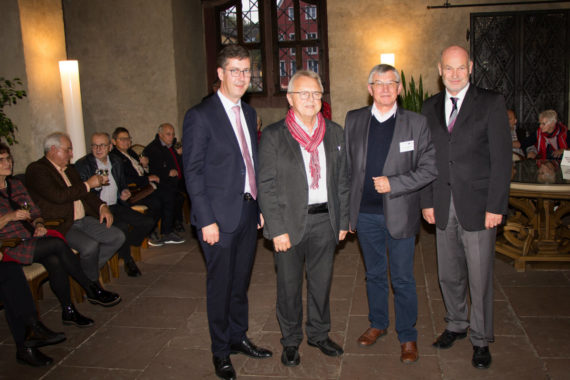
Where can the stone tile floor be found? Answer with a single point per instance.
(160, 331)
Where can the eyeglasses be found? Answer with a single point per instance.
(236, 72)
(304, 95)
(389, 83)
(7, 159)
(124, 139)
(100, 146)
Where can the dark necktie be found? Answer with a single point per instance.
(245, 153)
(453, 115)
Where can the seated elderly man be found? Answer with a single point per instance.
(551, 138)
(166, 163)
(136, 172)
(87, 222)
(115, 193)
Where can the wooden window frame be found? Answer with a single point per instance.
(272, 95)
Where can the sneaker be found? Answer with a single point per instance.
(173, 238)
(179, 227)
(155, 242)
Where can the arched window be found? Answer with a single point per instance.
(283, 36)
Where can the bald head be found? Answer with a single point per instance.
(455, 68)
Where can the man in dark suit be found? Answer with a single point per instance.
(56, 187)
(220, 159)
(467, 201)
(164, 161)
(303, 194)
(385, 202)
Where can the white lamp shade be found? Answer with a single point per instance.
(387, 58)
(70, 89)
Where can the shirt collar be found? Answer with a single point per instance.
(382, 117)
(305, 128)
(460, 95)
(228, 104)
(61, 169)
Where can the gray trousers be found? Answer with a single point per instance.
(465, 261)
(95, 242)
(316, 253)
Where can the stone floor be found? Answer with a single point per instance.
(160, 331)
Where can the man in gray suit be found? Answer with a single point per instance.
(391, 158)
(467, 201)
(303, 194)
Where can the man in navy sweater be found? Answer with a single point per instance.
(390, 157)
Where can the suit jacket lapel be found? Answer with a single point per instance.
(363, 120)
(401, 122)
(295, 149)
(466, 108)
(440, 110)
(223, 123)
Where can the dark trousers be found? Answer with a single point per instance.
(465, 262)
(315, 252)
(60, 262)
(229, 263)
(135, 226)
(167, 195)
(17, 299)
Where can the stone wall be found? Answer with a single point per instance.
(31, 44)
(359, 31)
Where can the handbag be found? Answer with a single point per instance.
(140, 193)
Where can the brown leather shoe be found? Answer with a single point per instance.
(409, 352)
(369, 337)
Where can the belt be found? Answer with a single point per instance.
(248, 197)
(318, 208)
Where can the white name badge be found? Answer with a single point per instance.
(406, 146)
(566, 158)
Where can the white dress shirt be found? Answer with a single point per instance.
(449, 105)
(232, 116)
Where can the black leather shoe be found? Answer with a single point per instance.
(247, 348)
(290, 356)
(327, 347)
(33, 356)
(446, 339)
(132, 269)
(224, 368)
(38, 335)
(70, 316)
(481, 357)
(99, 296)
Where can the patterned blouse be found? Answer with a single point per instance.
(23, 253)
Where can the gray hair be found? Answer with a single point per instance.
(54, 139)
(304, 73)
(161, 126)
(381, 69)
(101, 134)
(549, 115)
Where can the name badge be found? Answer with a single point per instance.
(406, 146)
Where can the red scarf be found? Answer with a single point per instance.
(309, 143)
(559, 133)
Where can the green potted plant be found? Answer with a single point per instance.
(413, 98)
(10, 91)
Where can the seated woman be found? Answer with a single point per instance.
(28, 331)
(551, 138)
(20, 219)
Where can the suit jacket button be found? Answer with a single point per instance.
(450, 162)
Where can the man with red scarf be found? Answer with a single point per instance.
(551, 138)
(303, 194)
